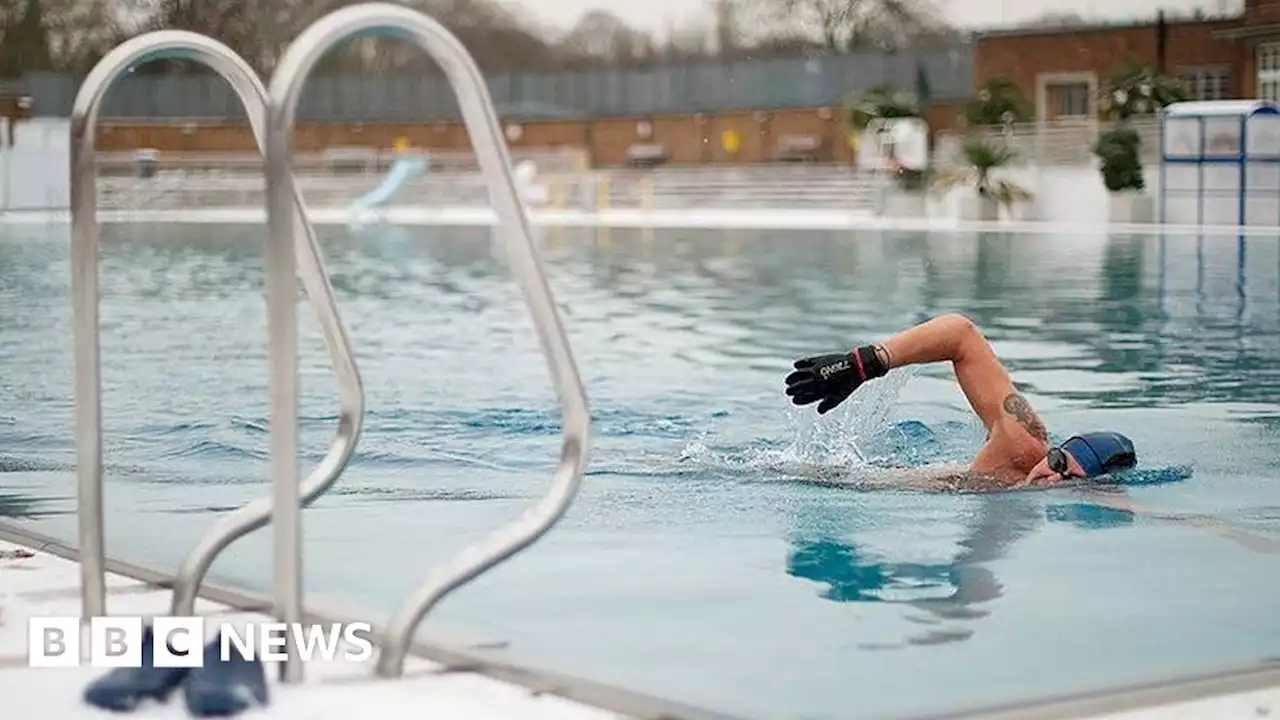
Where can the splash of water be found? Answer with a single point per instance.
(842, 442)
(843, 437)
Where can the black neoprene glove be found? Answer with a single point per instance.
(833, 378)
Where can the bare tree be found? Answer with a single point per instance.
(59, 35)
(844, 25)
(784, 46)
(498, 38)
(601, 35)
(80, 32)
(24, 39)
(727, 27)
(229, 21)
(260, 30)
(693, 39)
(71, 35)
(1056, 19)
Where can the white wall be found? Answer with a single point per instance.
(1071, 193)
(35, 172)
(1076, 195)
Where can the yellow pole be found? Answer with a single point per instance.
(557, 194)
(603, 193)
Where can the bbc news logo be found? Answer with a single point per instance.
(117, 641)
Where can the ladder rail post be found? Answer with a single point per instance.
(486, 135)
(87, 348)
(85, 232)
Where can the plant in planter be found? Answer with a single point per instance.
(911, 184)
(999, 102)
(877, 104)
(982, 156)
(872, 110)
(880, 102)
(1121, 164)
(1134, 90)
(911, 179)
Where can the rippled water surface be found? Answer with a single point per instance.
(702, 560)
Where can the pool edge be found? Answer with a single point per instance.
(628, 703)
(1151, 695)
(1117, 700)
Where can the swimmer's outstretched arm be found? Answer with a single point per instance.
(953, 338)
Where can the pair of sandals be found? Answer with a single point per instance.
(216, 689)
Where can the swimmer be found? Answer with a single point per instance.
(1017, 452)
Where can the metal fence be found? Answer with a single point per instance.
(707, 86)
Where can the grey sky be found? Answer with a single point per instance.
(654, 14)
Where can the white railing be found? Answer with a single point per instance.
(1061, 142)
(745, 186)
(330, 161)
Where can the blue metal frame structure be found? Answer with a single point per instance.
(1243, 111)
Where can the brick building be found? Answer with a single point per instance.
(1061, 70)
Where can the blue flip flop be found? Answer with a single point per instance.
(124, 688)
(219, 689)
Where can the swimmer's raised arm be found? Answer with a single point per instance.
(981, 375)
(949, 338)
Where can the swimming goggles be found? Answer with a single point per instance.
(1058, 461)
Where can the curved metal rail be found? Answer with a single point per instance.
(84, 288)
(491, 151)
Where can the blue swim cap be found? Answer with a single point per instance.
(1101, 452)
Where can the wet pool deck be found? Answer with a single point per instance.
(36, 579)
(38, 583)
(444, 677)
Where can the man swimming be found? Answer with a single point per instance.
(1017, 451)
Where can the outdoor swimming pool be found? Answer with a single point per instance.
(698, 562)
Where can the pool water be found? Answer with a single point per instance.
(707, 558)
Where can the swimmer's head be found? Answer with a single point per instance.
(1086, 456)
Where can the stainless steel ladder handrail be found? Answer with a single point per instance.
(485, 131)
(85, 297)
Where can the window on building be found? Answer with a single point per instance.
(1269, 72)
(1072, 99)
(1212, 83)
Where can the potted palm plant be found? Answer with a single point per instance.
(982, 156)
(891, 121)
(880, 102)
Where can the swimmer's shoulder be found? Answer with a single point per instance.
(1010, 453)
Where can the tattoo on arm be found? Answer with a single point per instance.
(1019, 408)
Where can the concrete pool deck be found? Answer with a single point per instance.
(40, 577)
(703, 218)
(444, 676)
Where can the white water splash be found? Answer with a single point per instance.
(819, 445)
(839, 437)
